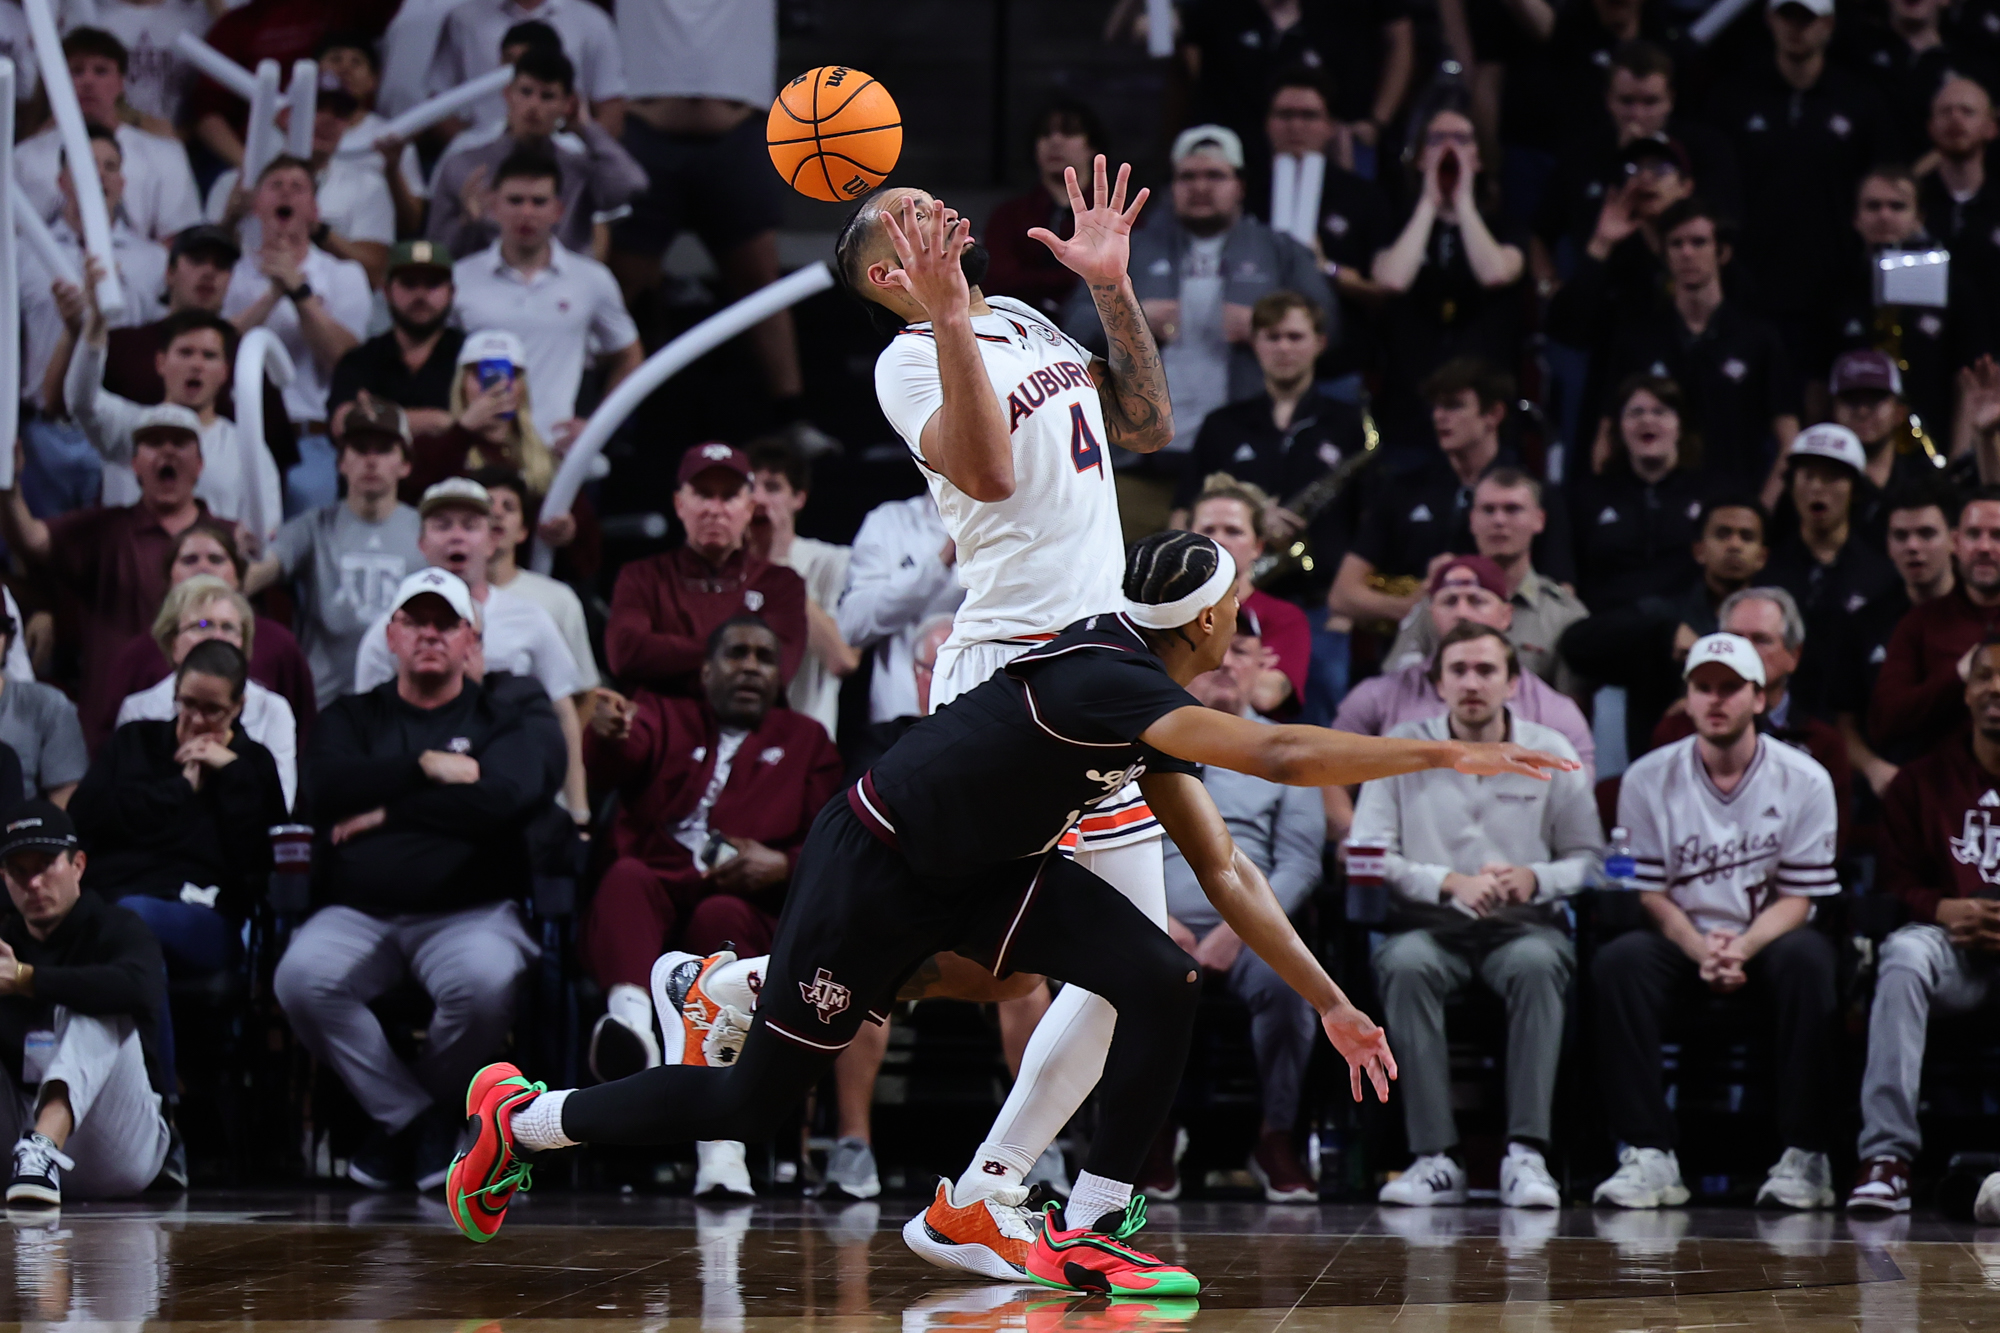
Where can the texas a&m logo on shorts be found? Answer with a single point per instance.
(824, 994)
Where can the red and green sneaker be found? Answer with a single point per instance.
(486, 1174)
(1096, 1258)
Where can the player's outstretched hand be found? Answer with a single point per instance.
(1364, 1044)
(927, 252)
(1100, 249)
(1485, 759)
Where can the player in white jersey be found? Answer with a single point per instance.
(1011, 422)
(1733, 835)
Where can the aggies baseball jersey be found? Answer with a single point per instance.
(1051, 553)
(1723, 859)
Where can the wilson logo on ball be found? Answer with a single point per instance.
(834, 133)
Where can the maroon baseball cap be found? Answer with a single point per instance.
(1865, 371)
(1483, 569)
(701, 457)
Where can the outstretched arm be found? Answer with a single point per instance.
(1137, 413)
(1318, 757)
(967, 437)
(1244, 898)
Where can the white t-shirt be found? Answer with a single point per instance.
(517, 636)
(352, 194)
(565, 608)
(564, 310)
(700, 48)
(815, 691)
(341, 284)
(1051, 553)
(156, 76)
(160, 199)
(141, 267)
(239, 479)
(470, 46)
(267, 719)
(1723, 859)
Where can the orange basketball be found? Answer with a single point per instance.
(834, 133)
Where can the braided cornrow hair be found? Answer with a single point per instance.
(1166, 567)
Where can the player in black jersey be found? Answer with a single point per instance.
(949, 844)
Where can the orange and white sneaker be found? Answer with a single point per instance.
(989, 1235)
(704, 1005)
(1095, 1257)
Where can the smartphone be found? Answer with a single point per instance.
(717, 851)
(494, 370)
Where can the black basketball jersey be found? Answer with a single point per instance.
(1004, 770)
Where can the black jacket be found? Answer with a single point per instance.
(442, 847)
(149, 832)
(101, 960)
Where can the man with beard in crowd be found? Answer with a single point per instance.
(411, 364)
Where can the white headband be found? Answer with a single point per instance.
(1172, 615)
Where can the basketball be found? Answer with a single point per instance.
(834, 133)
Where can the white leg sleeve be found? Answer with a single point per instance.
(1066, 1054)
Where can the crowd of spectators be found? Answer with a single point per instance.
(1551, 375)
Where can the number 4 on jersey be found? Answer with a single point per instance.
(1084, 449)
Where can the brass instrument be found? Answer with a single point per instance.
(1310, 502)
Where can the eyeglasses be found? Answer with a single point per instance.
(202, 708)
(214, 626)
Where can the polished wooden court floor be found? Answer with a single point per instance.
(279, 1263)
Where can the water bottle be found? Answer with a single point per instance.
(1620, 870)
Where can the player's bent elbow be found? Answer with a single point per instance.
(1287, 758)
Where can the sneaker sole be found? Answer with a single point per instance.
(673, 1028)
(1272, 1194)
(1818, 1202)
(975, 1258)
(1091, 1282)
(41, 1194)
(1871, 1205)
(860, 1192)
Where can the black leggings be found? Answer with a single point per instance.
(857, 922)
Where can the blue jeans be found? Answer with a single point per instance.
(195, 940)
(1326, 674)
(314, 481)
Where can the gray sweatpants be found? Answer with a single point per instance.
(1416, 975)
(1918, 972)
(1282, 1028)
(120, 1139)
(468, 962)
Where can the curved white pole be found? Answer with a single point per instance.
(216, 65)
(657, 369)
(260, 138)
(260, 353)
(10, 284)
(76, 151)
(303, 94)
(426, 114)
(39, 239)
(1719, 16)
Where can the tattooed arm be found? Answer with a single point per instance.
(1132, 382)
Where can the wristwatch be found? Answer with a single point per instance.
(300, 292)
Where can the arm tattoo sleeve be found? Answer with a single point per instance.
(1137, 411)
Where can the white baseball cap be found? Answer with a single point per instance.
(1830, 441)
(167, 416)
(438, 583)
(1820, 8)
(1731, 650)
(492, 345)
(1219, 137)
(461, 491)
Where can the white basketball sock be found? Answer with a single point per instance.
(1065, 1056)
(1093, 1197)
(538, 1125)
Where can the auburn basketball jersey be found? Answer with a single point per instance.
(1051, 553)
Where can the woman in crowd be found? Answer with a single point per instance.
(1452, 274)
(1634, 520)
(1230, 513)
(177, 814)
(277, 663)
(198, 610)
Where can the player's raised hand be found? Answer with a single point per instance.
(1364, 1045)
(928, 247)
(1100, 248)
(1485, 759)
